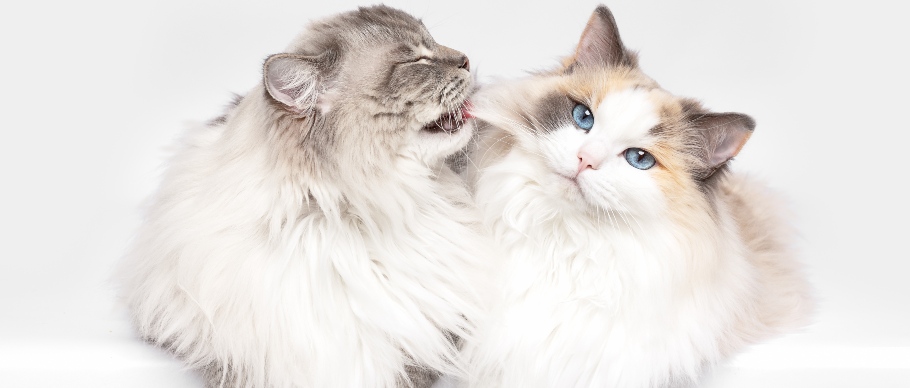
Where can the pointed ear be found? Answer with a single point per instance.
(600, 44)
(725, 134)
(295, 81)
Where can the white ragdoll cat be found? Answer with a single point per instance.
(634, 257)
(313, 236)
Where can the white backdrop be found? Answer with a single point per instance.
(92, 92)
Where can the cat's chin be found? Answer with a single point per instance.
(434, 146)
(569, 182)
(570, 189)
(573, 192)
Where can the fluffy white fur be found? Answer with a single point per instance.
(231, 268)
(594, 301)
(609, 280)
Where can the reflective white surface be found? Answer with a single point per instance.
(93, 92)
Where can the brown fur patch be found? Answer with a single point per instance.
(591, 86)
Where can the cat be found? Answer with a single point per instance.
(634, 256)
(313, 236)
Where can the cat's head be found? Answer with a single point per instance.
(370, 85)
(608, 136)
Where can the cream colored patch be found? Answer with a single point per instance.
(591, 87)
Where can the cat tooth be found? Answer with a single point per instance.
(448, 124)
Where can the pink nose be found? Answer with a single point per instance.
(591, 155)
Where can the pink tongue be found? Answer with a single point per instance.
(466, 110)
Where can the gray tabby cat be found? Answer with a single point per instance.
(313, 237)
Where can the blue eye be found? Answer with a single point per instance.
(640, 158)
(583, 117)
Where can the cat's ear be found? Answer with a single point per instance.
(295, 81)
(725, 134)
(600, 44)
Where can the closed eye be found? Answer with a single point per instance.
(409, 61)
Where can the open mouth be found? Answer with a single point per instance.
(450, 122)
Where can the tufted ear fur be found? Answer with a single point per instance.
(600, 44)
(296, 81)
(725, 134)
